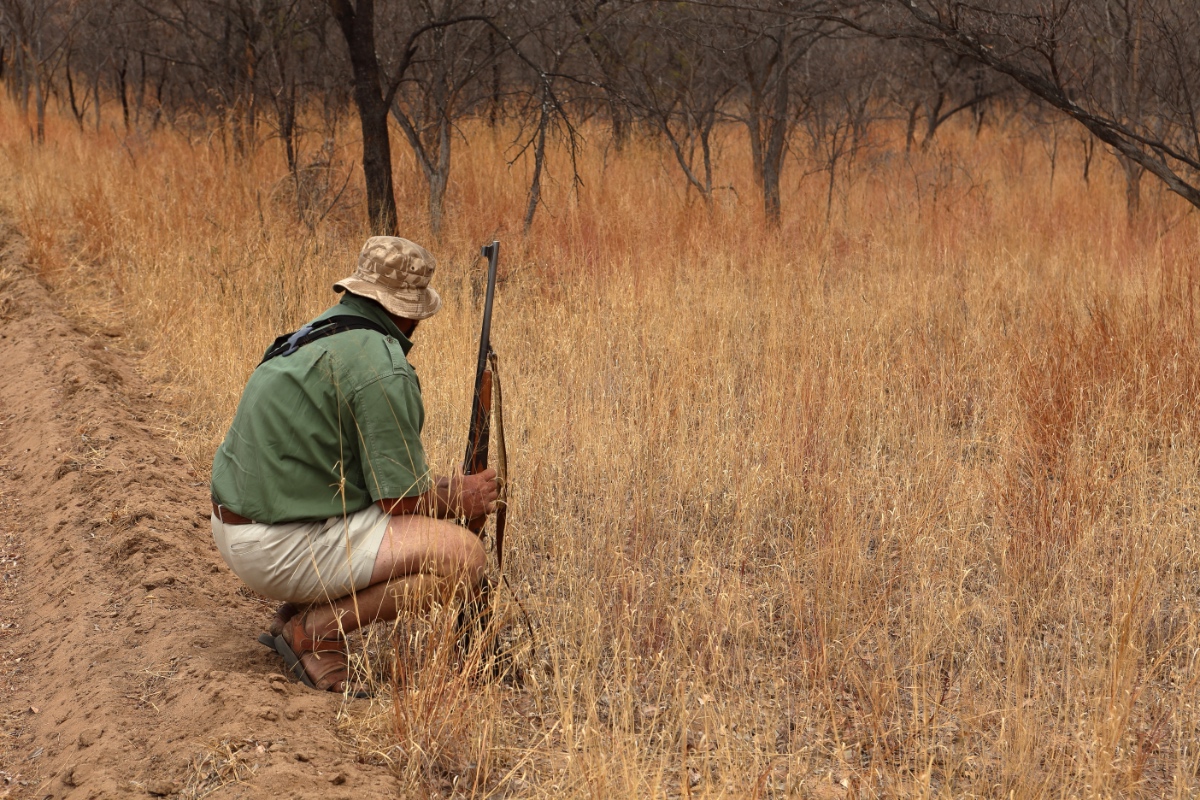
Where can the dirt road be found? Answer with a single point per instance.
(128, 660)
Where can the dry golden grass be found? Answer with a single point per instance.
(901, 506)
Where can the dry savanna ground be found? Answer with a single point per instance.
(902, 503)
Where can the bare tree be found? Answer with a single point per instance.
(373, 93)
(543, 110)
(937, 86)
(608, 31)
(445, 64)
(1129, 72)
(433, 63)
(838, 108)
(676, 84)
(772, 44)
(40, 31)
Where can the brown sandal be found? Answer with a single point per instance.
(293, 643)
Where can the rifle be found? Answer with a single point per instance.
(487, 379)
(479, 433)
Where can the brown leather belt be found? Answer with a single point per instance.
(229, 517)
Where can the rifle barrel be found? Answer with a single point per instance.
(477, 435)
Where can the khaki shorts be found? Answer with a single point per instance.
(304, 561)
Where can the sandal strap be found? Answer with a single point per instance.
(301, 642)
(333, 673)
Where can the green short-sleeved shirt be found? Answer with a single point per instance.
(327, 430)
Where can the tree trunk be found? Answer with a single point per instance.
(96, 98)
(910, 132)
(287, 127)
(494, 99)
(23, 82)
(539, 154)
(620, 123)
(773, 157)
(1053, 156)
(358, 27)
(933, 120)
(249, 98)
(141, 92)
(978, 114)
(75, 110)
(439, 178)
(1089, 147)
(377, 165)
(1133, 188)
(706, 150)
(40, 104)
(754, 123)
(121, 87)
(829, 193)
(26, 89)
(158, 96)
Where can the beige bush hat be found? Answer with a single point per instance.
(395, 273)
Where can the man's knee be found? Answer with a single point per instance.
(438, 547)
(473, 557)
(460, 553)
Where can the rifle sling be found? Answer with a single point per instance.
(502, 479)
(289, 343)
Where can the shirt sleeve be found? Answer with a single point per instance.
(389, 415)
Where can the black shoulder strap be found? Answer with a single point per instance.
(291, 342)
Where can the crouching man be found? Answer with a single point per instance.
(321, 494)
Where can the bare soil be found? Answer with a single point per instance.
(128, 660)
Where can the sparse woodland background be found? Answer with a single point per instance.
(850, 355)
(807, 78)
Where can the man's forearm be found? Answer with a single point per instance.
(471, 496)
(437, 501)
(441, 502)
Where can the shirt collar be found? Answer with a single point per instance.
(374, 312)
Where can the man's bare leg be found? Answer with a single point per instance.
(421, 560)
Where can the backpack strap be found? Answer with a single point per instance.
(289, 343)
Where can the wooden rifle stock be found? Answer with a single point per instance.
(482, 428)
